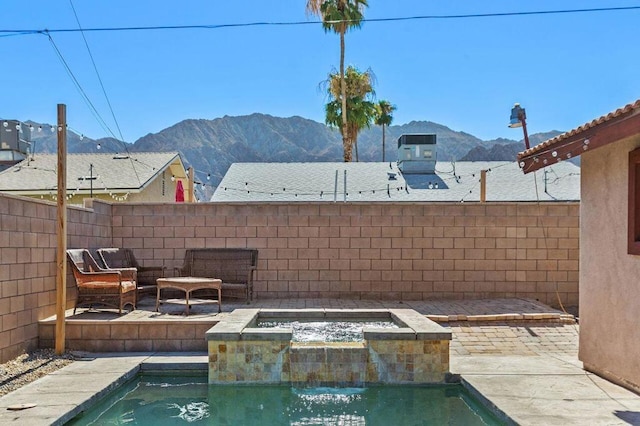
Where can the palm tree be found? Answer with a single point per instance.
(384, 117)
(339, 16)
(360, 110)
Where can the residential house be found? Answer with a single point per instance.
(609, 237)
(367, 182)
(131, 177)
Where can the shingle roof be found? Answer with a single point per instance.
(272, 182)
(582, 138)
(111, 172)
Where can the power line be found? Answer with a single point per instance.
(104, 91)
(85, 97)
(78, 86)
(16, 34)
(297, 23)
(95, 68)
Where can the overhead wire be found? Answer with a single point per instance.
(104, 91)
(296, 23)
(95, 68)
(78, 86)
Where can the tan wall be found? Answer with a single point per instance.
(609, 277)
(377, 250)
(155, 193)
(28, 264)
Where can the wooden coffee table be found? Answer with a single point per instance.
(188, 285)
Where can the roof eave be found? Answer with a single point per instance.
(601, 132)
(175, 160)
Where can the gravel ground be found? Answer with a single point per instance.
(29, 367)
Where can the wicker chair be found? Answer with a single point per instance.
(97, 286)
(117, 258)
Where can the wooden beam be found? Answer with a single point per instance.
(599, 135)
(191, 178)
(483, 186)
(61, 253)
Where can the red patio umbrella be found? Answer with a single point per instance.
(179, 192)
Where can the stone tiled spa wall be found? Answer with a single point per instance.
(248, 361)
(419, 361)
(28, 245)
(350, 363)
(374, 250)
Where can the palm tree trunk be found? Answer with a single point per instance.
(343, 89)
(383, 142)
(355, 145)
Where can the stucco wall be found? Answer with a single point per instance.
(609, 277)
(157, 191)
(28, 245)
(374, 250)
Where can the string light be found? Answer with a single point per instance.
(19, 127)
(252, 188)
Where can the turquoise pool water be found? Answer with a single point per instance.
(164, 400)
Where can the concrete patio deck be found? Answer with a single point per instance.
(519, 355)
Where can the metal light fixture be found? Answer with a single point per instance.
(519, 119)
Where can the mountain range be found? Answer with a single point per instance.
(211, 146)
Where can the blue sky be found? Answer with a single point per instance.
(565, 69)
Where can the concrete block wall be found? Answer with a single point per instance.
(374, 250)
(368, 251)
(28, 243)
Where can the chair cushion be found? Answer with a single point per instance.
(128, 286)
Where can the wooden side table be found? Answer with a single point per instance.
(188, 285)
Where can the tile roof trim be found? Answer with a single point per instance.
(620, 114)
(628, 109)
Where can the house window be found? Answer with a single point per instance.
(634, 202)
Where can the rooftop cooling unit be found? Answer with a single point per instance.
(14, 141)
(417, 153)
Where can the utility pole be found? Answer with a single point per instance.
(61, 254)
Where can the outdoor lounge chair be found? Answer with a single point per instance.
(97, 286)
(236, 268)
(117, 258)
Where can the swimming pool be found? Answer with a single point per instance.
(172, 400)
